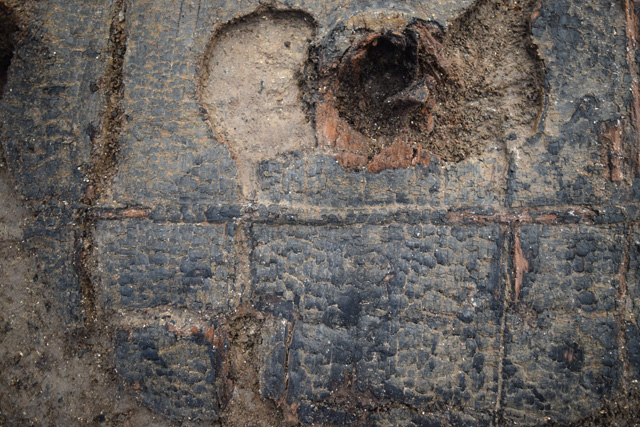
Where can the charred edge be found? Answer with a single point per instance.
(83, 247)
(632, 46)
(505, 242)
(105, 145)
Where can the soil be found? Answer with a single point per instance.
(443, 93)
(47, 371)
(245, 407)
(495, 85)
(105, 140)
(269, 47)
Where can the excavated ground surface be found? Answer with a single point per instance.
(169, 256)
(482, 79)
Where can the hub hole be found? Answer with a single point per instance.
(372, 72)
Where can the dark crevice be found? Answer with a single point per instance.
(505, 278)
(512, 180)
(8, 29)
(5, 61)
(105, 141)
(389, 77)
(104, 152)
(82, 260)
(287, 357)
(377, 71)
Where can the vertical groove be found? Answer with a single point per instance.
(105, 143)
(625, 304)
(505, 264)
(104, 150)
(287, 360)
(246, 328)
(243, 253)
(512, 170)
(632, 46)
(83, 247)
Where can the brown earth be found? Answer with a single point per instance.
(49, 373)
(448, 94)
(248, 88)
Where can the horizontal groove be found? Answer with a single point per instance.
(279, 215)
